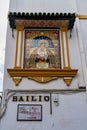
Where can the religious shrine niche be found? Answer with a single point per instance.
(41, 58)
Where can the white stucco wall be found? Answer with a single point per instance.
(82, 9)
(82, 6)
(70, 114)
(42, 6)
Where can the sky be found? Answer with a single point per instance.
(4, 6)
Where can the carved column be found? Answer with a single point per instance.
(65, 48)
(18, 51)
(62, 42)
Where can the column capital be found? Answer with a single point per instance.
(20, 28)
(63, 29)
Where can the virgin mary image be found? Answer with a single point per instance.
(42, 51)
(42, 56)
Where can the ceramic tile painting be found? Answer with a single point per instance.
(42, 49)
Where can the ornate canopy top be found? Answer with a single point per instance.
(41, 20)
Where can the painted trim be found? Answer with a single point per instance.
(81, 16)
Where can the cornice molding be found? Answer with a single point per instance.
(26, 19)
